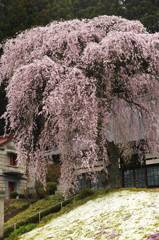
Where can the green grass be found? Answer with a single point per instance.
(34, 208)
(23, 229)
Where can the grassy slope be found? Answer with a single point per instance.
(33, 209)
(118, 215)
(14, 204)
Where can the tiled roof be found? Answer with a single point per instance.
(4, 140)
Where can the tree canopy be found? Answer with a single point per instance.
(18, 15)
(68, 80)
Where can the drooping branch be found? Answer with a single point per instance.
(78, 84)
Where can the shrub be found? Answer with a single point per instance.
(66, 202)
(51, 188)
(30, 194)
(21, 196)
(14, 195)
(85, 193)
(21, 230)
(50, 210)
(8, 230)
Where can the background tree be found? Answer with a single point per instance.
(147, 11)
(19, 15)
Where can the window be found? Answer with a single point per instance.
(84, 181)
(128, 178)
(135, 178)
(13, 159)
(140, 177)
(101, 180)
(153, 176)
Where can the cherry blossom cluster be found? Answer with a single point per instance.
(77, 85)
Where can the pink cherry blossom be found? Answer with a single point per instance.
(76, 85)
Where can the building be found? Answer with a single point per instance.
(145, 175)
(117, 174)
(106, 176)
(12, 177)
(85, 180)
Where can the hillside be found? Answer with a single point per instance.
(119, 215)
(32, 209)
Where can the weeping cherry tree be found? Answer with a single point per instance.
(77, 85)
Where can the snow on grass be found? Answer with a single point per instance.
(122, 215)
